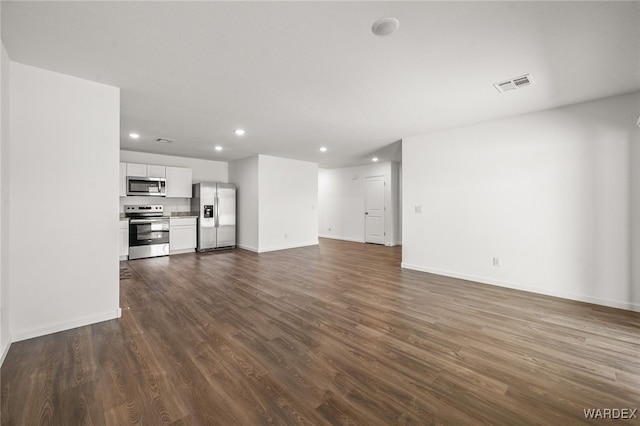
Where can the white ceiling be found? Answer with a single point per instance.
(301, 75)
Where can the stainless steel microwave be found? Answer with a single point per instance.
(146, 186)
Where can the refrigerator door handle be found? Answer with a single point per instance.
(217, 211)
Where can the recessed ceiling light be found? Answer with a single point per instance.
(374, 159)
(239, 132)
(218, 148)
(134, 135)
(323, 149)
(385, 26)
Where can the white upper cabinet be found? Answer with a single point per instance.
(145, 170)
(138, 170)
(156, 171)
(179, 180)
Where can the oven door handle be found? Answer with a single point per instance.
(147, 220)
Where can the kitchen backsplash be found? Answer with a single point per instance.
(171, 205)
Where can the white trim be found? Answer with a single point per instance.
(182, 251)
(276, 248)
(335, 237)
(5, 351)
(66, 325)
(357, 240)
(629, 306)
(250, 248)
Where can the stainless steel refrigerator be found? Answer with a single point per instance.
(215, 205)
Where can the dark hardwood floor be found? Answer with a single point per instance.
(335, 334)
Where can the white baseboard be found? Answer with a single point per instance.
(65, 325)
(358, 240)
(335, 237)
(265, 250)
(286, 247)
(250, 248)
(629, 306)
(182, 251)
(5, 351)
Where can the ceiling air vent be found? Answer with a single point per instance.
(164, 140)
(515, 83)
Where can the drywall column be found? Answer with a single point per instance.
(277, 202)
(64, 175)
(287, 205)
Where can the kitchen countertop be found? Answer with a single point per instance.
(174, 215)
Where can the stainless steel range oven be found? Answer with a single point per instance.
(148, 231)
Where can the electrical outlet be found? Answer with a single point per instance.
(497, 261)
(418, 209)
(286, 236)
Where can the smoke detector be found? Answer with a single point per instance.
(385, 26)
(164, 140)
(514, 83)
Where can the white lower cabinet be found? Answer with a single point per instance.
(124, 240)
(182, 235)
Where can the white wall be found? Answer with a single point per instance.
(64, 143)
(634, 165)
(341, 198)
(203, 171)
(287, 205)
(5, 337)
(549, 193)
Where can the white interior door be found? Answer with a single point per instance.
(374, 209)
